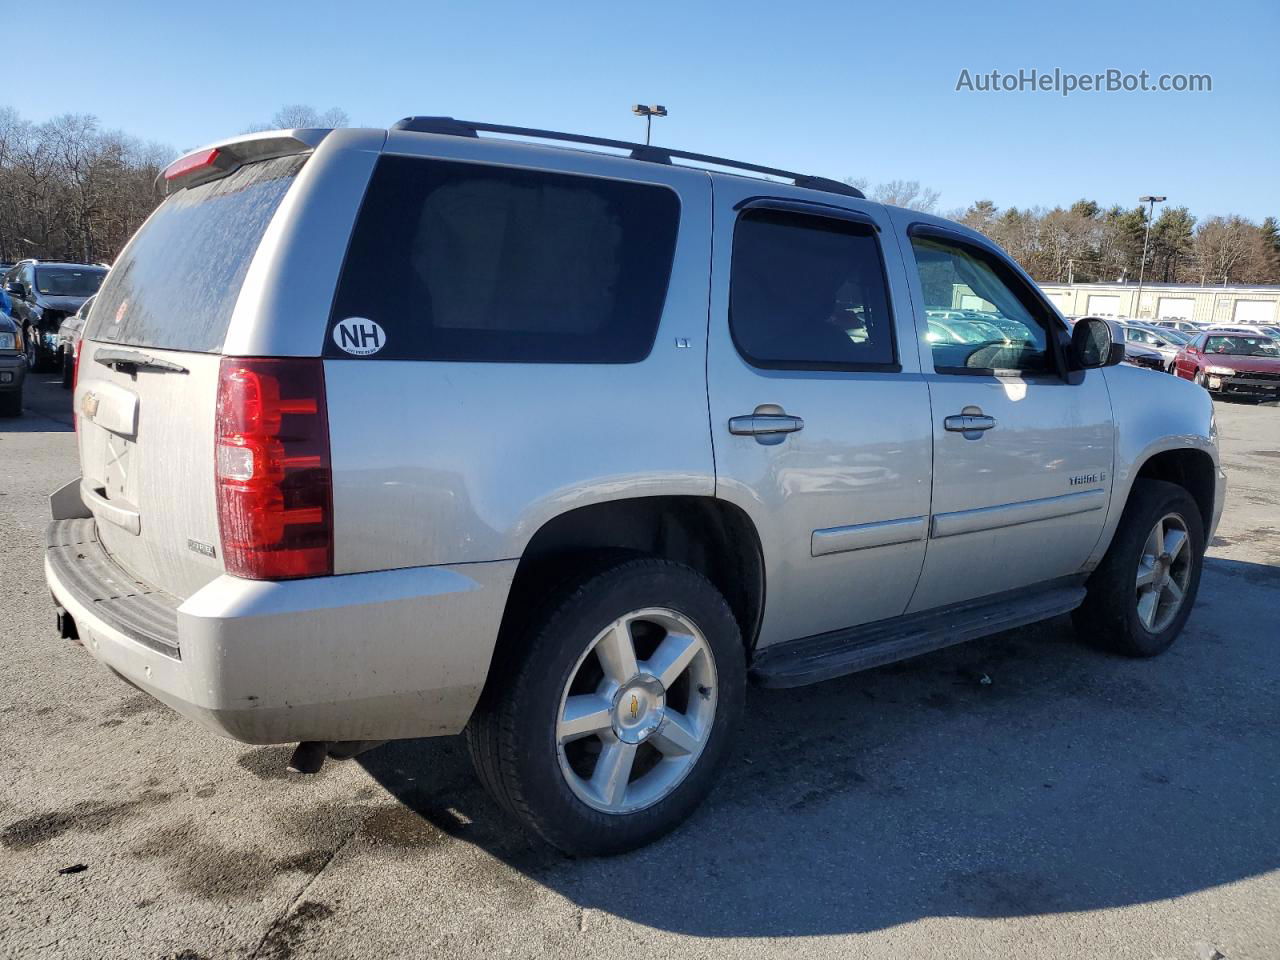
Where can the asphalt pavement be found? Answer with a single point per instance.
(1023, 796)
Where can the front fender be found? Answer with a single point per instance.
(1155, 413)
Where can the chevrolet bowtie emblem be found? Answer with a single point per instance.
(89, 405)
(635, 706)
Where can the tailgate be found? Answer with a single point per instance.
(146, 461)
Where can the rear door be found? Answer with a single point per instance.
(819, 415)
(148, 374)
(1022, 452)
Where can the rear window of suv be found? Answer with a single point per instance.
(176, 284)
(460, 261)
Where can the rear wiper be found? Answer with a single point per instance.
(131, 360)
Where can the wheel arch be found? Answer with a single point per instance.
(712, 536)
(1192, 469)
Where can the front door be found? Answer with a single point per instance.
(1022, 452)
(819, 415)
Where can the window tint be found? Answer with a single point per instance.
(809, 292)
(976, 320)
(177, 282)
(457, 261)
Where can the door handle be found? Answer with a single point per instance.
(971, 425)
(767, 428)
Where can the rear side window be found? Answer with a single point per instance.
(809, 293)
(458, 261)
(176, 284)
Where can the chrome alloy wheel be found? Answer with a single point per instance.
(637, 711)
(1164, 570)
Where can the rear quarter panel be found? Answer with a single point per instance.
(456, 462)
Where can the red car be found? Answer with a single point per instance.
(1234, 364)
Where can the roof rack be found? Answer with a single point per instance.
(448, 126)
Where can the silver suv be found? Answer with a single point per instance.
(401, 433)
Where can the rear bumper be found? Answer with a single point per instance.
(13, 371)
(369, 656)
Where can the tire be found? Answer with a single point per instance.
(31, 346)
(11, 403)
(39, 360)
(1114, 615)
(515, 735)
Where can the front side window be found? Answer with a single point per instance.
(467, 262)
(809, 292)
(977, 321)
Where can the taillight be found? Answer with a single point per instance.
(275, 508)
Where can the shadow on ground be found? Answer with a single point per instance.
(1024, 774)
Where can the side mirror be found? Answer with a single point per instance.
(15, 288)
(1096, 342)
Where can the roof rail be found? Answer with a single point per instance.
(448, 126)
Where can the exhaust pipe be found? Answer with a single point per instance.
(308, 756)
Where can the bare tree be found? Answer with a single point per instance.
(898, 193)
(907, 193)
(1230, 248)
(300, 116)
(71, 190)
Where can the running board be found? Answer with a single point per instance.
(840, 652)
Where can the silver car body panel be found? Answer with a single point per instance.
(456, 462)
(994, 493)
(365, 657)
(285, 299)
(146, 462)
(862, 458)
(1155, 415)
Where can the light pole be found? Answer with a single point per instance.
(640, 110)
(1146, 237)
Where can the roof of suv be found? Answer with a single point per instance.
(448, 126)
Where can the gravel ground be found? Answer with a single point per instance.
(1076, 805)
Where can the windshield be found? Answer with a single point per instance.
(69, 281)
(1243, 346)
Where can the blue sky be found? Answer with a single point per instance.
(837, 89)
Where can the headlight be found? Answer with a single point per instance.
(1221, 371)
(8, 341)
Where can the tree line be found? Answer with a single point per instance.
(1086, 243)
(71, 190)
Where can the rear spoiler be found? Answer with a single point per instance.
(226, 156)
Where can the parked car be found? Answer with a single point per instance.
(1161, 342)
(1186, 326)
(1141, 355)
(43, 294)
(69, 341)
(13, 368)
(561, 448)
(1233, 364)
